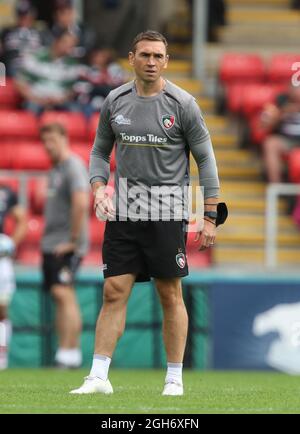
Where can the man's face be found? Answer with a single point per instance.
(54, 144)
(149, 60)
(65, 45)
(66, 17)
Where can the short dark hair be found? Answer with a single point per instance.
(54, 127)
(148, 35)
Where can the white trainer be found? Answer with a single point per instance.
(173, 389)
(94, 385)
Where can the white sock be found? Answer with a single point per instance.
(5, 335)
(71, 357)
(100, 367)
(174, 373)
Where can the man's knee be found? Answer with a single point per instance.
(170, 292)
(62, 294)
(273, 144)
(114, 291)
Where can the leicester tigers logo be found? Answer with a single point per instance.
(180, 259)
(168, 121)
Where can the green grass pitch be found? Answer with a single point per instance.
(46, 391)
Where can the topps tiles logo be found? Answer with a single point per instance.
(148, 138)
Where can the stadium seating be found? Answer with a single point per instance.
(236, 67)
(257, 132)
(74, 123)
(17, 124)
(96, 228)
(9, 96)
(92, 127)
(29, 252)
(6, 150)
(35, 230)
(83, 150)
(13, 183)
(30, 157)
(280, 67)
(234, 97)
(37, 193)
(196, 259)
(256, 96)
(294, 166)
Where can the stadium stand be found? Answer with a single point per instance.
(9, 97)
(240, 170)
(74, 123)
(18, 124)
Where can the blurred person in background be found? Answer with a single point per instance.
(21, 39)
(9, 206)
(282, 120)
(102, 75)
(46, 78)
(65, 18)
(65, 239)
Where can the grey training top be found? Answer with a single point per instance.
(153, 136)
(64, 179)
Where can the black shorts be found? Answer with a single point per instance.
(59, 270)
(148, 249)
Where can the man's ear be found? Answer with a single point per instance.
(167, 61)
(131, 58)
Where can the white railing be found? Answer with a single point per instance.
(274, 191)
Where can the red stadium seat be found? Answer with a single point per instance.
(83, 151)
(9, 96)
(256, 96)
(93, 257)
(35, 230)
(31, 157)
(96, 232)
(198, 260)
(234, 97)
(280, 67)
(9, 225)
(257, 132)
(8, 181)
(92, 127)
(18, 125)
(294, 166)
(74, 123)
(29, 255)
(6, 152)
(236, 67)
(37, 194)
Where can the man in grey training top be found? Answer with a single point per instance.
(65, 240)
(155, 126)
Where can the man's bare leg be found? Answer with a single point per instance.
(110, 327)
(273, 148)
(175, 326)
(68, 325)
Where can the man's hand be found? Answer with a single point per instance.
(207, 235)
(103, 205)
(64, 248)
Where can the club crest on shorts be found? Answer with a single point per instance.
(180, 260)
(168, 121)
(65, 276)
